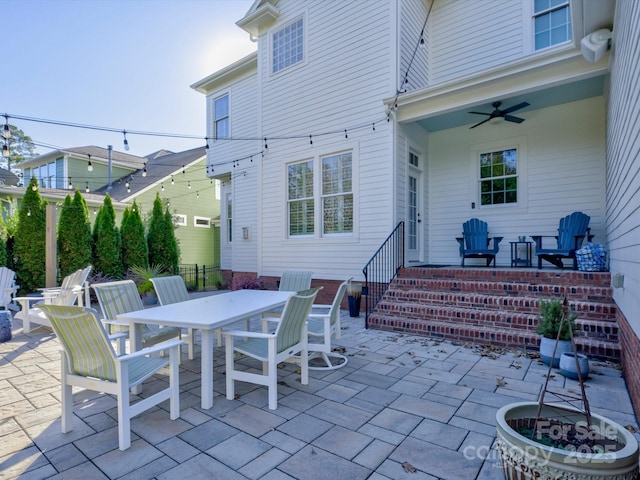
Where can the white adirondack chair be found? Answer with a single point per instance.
(8, 287)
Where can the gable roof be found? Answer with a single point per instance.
(159, 167)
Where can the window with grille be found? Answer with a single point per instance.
(287, 46)
(552, 22)
(499, 177)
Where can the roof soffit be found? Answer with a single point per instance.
(244, 66)
(262, 17)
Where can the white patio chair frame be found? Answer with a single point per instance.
(101, 370)
(289, 340)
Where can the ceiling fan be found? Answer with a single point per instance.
(497, 113)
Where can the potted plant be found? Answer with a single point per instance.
(537, 442)
(142, 277)
(354, 297)
(555, 324)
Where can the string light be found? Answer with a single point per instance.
(6, 133)
(197, 194)
(5, 150)
(265, 143)
(183, 171)
(87, 188)
(310, 140)
(29, 212)
(189, 184)
(126, 143)
(70, 184)
(172, 182)
(89, 165)
(345, 134)
(162, 186)
(34, 187)
(144, 170)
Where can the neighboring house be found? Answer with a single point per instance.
(315, 177)
(95, 171)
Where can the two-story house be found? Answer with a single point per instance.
(351, 117)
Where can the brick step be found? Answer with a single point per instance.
(504, 288)
(528, 276)
(524, 305)
(478, 334)
(599, 328)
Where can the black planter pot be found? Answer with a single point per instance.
(354, 306)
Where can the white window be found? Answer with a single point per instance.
(337, 194)
(179, 220)
(201, 222)
(300, 198)
(552, 22)
(221, 117)
(229, 217)
(287, 46)
(499, 177)
(320, 196)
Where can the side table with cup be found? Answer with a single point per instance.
(521, 252)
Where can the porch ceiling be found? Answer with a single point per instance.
(570, 92)
(542, 81)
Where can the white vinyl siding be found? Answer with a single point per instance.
(623, 169)
(467, 37)
(412, 17)
(326, 103)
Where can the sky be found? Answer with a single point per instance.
(123, 64)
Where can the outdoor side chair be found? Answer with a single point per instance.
(289, 340)
(170, 290)
(90, 362)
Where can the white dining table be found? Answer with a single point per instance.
(205, 314)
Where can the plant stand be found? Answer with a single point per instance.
(566, 418)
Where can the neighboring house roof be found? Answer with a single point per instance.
(159, 168)
(58, 195)
(98, 154)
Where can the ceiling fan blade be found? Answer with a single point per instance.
(481, 113)
(478, 124)
(515, 107)
(511, 118)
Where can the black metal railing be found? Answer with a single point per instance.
(382, 269)
(201, 277)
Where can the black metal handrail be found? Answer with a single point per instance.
(382, 268)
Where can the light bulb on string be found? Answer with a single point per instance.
(162, 187)
(265, 143)
(346, 135)
(144, 170)
(5, 150)
(29, 212)
(172, 182)
(6, 133)
(206, 143)
(70, 187)
(197, 194)
(34, 187)
(126, 143)
(189, 184)
(183, 170)
(87, 188)
(310, 140)
(89, 165)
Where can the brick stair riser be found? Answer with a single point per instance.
(529, 276)
(602, 330)
(590, 293)
(588, 310)
(595, 348)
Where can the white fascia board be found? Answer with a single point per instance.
(248, 64)
(519, 77)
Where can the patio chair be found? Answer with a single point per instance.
(122, 297)
(289, 340)
(8, 288)
(572, 231)
(475, 241)
(68, 294)
(90, 362)
(323, 324)
(173, 290)
(291, 281)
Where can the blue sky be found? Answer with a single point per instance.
(125, 64)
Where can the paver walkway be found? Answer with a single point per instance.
(404, 407)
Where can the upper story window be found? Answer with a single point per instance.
(552, 22)
(498, 177)
(287, 46)
(221, 117)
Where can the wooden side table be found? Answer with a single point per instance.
(521, 257)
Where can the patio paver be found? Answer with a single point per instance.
(403, 407)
